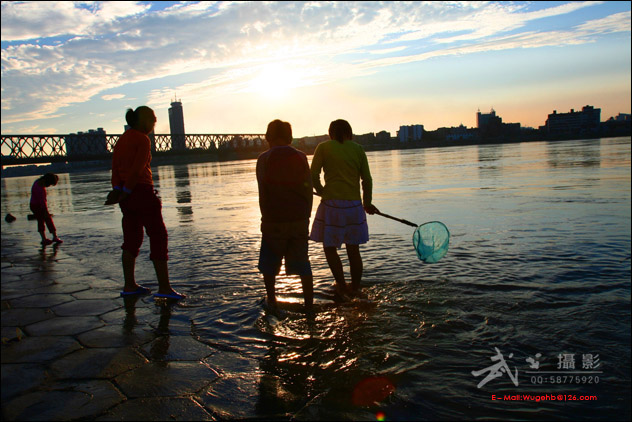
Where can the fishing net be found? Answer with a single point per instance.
(431, 241)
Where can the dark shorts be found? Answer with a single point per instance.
(142, 209)
(285, 240)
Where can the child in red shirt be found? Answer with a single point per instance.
(39, 206)
(285, 199)
(133, 190)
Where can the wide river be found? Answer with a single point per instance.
(532, 299)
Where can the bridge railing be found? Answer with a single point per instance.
(26, 149)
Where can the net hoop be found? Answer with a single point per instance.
(431, 241)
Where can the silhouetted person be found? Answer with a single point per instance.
(134, 191)
(285, 199)
(39, 206)
(341, 216)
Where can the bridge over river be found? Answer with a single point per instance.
(36, 149)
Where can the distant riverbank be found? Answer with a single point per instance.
(201, 156)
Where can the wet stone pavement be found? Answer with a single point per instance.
(73, 349)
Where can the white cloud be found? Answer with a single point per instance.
(497, 19)
(387, 50)
(112, 97)
(523, 40)
(619, 22)
(42, 19)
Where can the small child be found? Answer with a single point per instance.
(39, 207)
(285, 199)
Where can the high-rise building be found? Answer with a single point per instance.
(490, 125)
(484, 120)
(574, 123)
(91, 143)
(410, 133)
(176, 123)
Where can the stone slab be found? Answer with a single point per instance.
(38, 349)
(171, 321)
(177, 348)
(23, 317)
(116, 336)
(63, 326)
(11, 334)
(20, 377)
(40, 279)
(134, 310)
(232, 397)
(9, 278)
(18, 270)
(96, 363)
(72, 277)
(232, 363)
(63, 288)
(15, 293)
(64, 401)
(158, 409)
(96, 293)
(168, 379)
(85, 307)
(41, 300)
(113, 285)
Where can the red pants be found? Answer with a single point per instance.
(143, 209)
(43, 217)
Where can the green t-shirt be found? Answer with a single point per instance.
(344, 165)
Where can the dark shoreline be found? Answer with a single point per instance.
(202, 156)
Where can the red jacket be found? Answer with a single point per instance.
(131, 161)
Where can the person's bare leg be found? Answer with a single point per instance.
(308, 291)
(162, 273)
(335, 265)
(56, 239)
(129, 264)
(270, 281)
(355, 262)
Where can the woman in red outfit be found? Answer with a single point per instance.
(134, 188)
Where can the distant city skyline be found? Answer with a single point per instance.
(236, 66)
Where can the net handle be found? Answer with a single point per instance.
(401, 220)
(397, 219)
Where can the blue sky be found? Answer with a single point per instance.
(74, 66)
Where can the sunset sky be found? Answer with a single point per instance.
(74, 66)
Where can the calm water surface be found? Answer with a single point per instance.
(539, 262)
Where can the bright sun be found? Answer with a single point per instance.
(275, 81)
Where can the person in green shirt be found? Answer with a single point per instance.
(341, 215)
